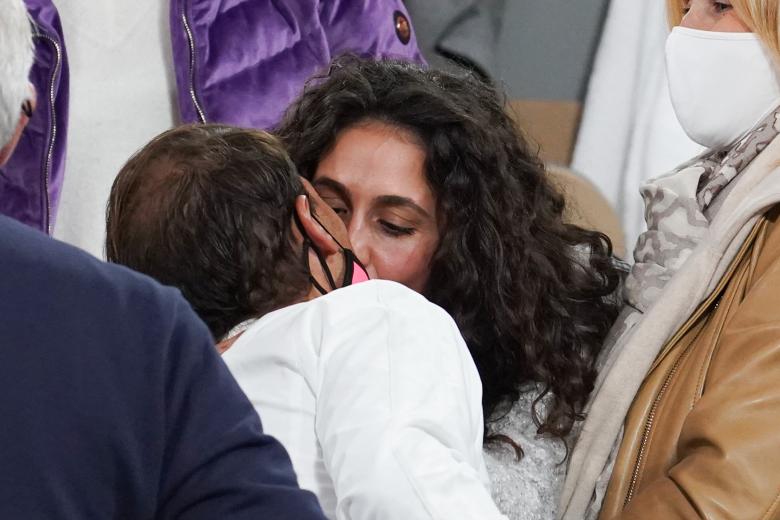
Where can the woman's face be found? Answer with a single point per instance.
(374, 179)
(712, 15)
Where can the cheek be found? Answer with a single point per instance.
(406, 261)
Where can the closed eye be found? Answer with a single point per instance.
(336, 204)
(396, 230)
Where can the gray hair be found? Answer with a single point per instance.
(16, 59)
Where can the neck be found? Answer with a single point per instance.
(225, 344)
(313, 293)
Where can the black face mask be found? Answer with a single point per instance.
(354, 271)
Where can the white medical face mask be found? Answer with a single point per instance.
(721, 84)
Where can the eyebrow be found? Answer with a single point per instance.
(335, 185)
(405, 202)
(383, 200)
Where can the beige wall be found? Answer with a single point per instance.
(550, 124)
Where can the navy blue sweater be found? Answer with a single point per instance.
(114, 404)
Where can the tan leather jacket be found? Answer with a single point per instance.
(702, 437)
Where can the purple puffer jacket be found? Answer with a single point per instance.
(243, 61)
(30, 183)
(237, 62)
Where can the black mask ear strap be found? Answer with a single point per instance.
(308, 244)
(326, 230)
(349, 266)
(349, 258)
(325, 268)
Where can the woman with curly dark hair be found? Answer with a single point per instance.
(440, 192)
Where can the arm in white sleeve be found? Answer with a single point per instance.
(399, 415)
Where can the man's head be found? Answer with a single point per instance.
(212, 210)
(16, 58)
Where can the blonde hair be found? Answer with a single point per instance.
(16, 58)
(761, 16)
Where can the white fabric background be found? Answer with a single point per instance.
(121, 95)
(629, 132)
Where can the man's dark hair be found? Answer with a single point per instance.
(207, 209)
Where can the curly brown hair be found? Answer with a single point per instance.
(532, 295)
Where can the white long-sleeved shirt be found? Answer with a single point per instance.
(375, 396)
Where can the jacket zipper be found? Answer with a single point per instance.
(715, 295)
(191, 43)
(649, 426)
(53, 126)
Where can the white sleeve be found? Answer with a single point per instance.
(399, 417)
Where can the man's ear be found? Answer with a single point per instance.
(321, 239)
(7, 149)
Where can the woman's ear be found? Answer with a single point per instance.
(319, 236)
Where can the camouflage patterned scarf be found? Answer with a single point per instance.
(676, 211)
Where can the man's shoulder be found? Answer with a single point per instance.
(53, 282)
(384, 297)
(380, 293)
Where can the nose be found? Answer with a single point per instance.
(361, 244)
(696, 17)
